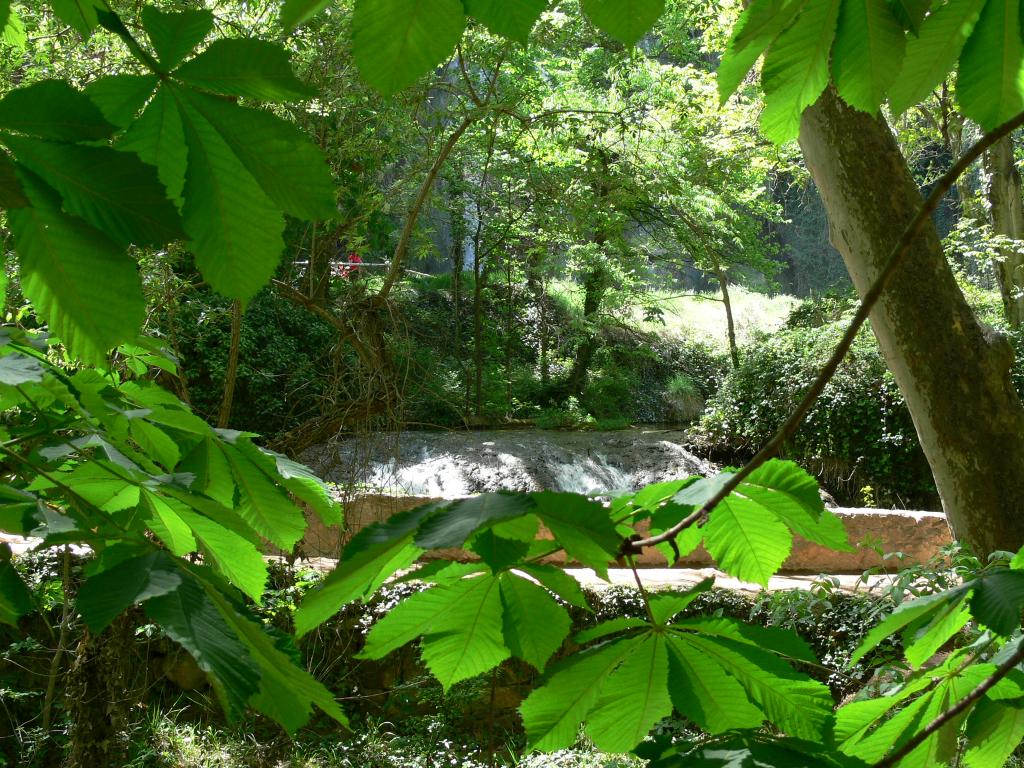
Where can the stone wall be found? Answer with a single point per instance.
(872, 532)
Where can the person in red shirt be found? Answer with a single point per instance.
(349, 269)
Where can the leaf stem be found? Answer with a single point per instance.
(643, 590)
(58, 655)
(961, 706)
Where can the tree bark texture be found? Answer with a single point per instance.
(478, 336)
(101, 693)
(953, 372)
(1006, 213)
(723, 284)
(537, 288)
(510, 332)
(458, 254)
(319, 270)
(595, 285)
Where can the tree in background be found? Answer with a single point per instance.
(177, 512)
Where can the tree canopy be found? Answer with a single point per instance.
(191, 144)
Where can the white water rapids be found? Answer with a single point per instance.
(454, 464)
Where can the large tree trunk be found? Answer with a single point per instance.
(953, 372)
(1006, 211)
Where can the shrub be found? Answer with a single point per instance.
(282, 362)
(821, 310)
(859, 436)
(401, 715)
(614, 390)
(988, 305)
(859, 433)
(568, 415)
(685, 400)
(633, 373)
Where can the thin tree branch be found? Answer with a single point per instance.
(473, 95)
(298, 297)
(723, 283)
(231, 375)
(345, 331)
(961, 706)
(401, 250)
(643, 591)
(874, 293)
(62, 643)
(398, 258)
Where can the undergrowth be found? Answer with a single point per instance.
(401, 717)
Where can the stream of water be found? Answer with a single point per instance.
(454, 464)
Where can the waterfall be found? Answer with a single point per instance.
(454, 464)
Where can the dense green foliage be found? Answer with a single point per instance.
(284, 360)
(288, 363)
(859, 437)
(104, 173)
(629, 380)
(191, 165)
(416, 722)
(143, 482)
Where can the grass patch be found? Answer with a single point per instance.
(702, 316)
(697, 316)
(166, 740)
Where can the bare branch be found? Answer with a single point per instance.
(298, 297)
(473, 95)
